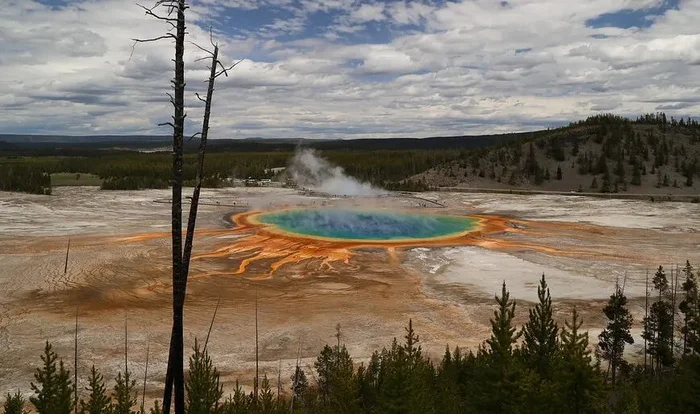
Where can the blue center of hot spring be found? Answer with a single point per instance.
(366, 225)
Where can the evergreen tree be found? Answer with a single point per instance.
(124, 394)
(658, 325)
(155, 410)
(53, 391)
(238, 403)
(14, 404)
(336, 384)
(578, 383)
(636, 175)
(540, 334)
(203, 387)
(503, 334)
(501, 390)
(594, 183)
(605, 187)
(616, 334)
(689, 309)
(266, 399)
(299, 384)
(559, 174)
(98, 402)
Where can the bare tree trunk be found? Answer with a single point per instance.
(75, 366)
(257, 376)
(65, 268)
(192, 218)
(179, 286)
(145, 378)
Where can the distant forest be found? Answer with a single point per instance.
(615, 152)
(604, 153)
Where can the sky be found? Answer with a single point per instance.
(349, 68)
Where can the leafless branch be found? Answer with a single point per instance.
(167, 123)
(199, 97)
(225, 70)
(194, 135)
(201, 48)
(149, 12)
(155, 39)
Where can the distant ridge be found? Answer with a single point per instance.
(139, 142)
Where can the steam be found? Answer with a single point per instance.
(313, 172)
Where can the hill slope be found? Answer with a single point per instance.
(650, 155)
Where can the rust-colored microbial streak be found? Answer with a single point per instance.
(263, 242)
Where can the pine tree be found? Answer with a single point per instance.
(578, 384)
(337, 387)
(636, 175)
(658, 326)
(203, 387)
(501, 390)
(503, 334)
(616, 333)
(559, 174)
(689, 309)
(605, 187)
(14, 404)
(155, 410)
(540, 334)
(53, 392)
(99, 402)
(266, 399)
(124, 394)
(238, 403)
(299, 385)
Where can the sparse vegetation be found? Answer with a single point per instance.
(541, 367)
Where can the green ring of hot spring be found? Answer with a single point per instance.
(366, 225)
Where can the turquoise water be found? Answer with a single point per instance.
(366, 225)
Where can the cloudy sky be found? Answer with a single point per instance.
(350, 68)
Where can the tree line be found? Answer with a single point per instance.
(24, 178)
(541, 367)
(617, 152)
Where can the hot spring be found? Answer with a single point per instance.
(366, 225)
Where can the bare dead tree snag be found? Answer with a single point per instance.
(175, 18)
(177, 99)
(145, 378)
(75, 361)
(65, 267)
(211, 325)
(126, 343)
(257, 375)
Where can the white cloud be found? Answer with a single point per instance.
(368, 13)
(473, 66)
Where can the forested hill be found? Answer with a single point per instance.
(652, 154)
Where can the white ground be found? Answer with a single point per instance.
(451, 303)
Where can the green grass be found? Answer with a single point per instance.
(74, 179)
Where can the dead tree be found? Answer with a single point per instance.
(181, 259)
(164, 10)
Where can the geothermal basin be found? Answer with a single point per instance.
(310, 262)
(366, 225)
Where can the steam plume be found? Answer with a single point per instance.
(313, 172)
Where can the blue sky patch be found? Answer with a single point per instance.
(627, 18)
